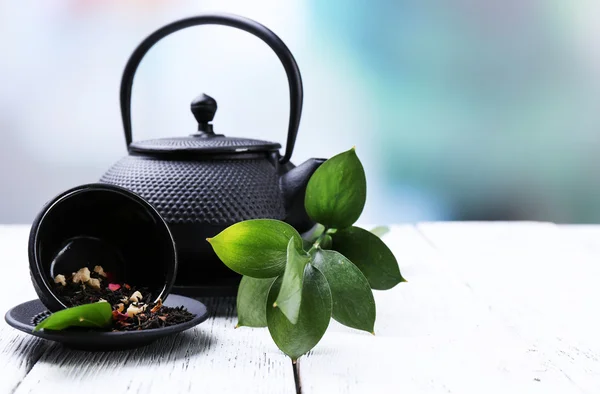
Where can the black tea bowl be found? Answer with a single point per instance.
(105, 225)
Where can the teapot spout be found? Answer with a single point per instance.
(293, 186)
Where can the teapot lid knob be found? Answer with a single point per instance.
(204, 108)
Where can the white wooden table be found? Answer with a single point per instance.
(489, 308)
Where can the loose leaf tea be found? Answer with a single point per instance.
(130, 308)
(306, 283)
(98, 315)
(154, 316)
(72, 293)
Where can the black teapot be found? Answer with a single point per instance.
(204, 182)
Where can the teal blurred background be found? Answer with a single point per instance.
(462, 110)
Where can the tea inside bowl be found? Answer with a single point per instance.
(91, 250)
(101, 225)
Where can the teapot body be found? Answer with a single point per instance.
(216, 191)
(198, 198)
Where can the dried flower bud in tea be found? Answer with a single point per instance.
(100, 271)
(60, 279)
(83, 275)
(94, 283)
(134, 310)
(136, 297)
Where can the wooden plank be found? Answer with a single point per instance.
(540, 280)
(433, 335)
(213, 357)
(18, 352)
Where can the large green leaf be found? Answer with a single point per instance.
(97, 315)
(252, 301)
(353, 303)
(256, 248)
(290, 294)
(370, 255)
(336, 193)
(313, 319)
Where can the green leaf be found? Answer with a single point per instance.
(97, 315)
(255, 248)
(252, 301)
(326, 242)
(312, 235)
(370, 255)
(290, 294)
(353, 302)
(380, 231)
(313, 319)
(336, 193)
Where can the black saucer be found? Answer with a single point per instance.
(25, 316)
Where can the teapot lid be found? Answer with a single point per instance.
(205, 141)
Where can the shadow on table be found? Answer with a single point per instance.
(183, 345)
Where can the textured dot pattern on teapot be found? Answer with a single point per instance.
(218, 192)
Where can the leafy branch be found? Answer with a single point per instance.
(295, 284)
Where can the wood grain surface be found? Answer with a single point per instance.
(488, 308)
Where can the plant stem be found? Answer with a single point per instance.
(317, 243)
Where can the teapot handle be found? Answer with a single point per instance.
(239, 22)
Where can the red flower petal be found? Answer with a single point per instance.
(114, 286)
(119, 316)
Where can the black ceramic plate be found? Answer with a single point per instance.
(25, 316)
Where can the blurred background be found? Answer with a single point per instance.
(462, 110)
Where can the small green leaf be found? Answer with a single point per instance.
(252, 301)
(313, 319)
(312, 235)
(255, 248)
(371, 255)
(290, 294)
(326, 242)
(97, 315)
(336, 193)
(353, 302)
(380, 231)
